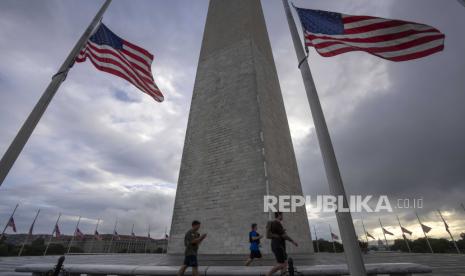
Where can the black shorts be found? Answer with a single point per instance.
(279, 253)
(190, 260)
(255, 254)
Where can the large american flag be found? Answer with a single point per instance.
(112, 54)
(332, 33)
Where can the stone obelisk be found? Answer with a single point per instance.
(238, 146)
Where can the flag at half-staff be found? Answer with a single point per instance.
(425, 228)
(78, 233)
(97, 235)
(57, 231)
(405, 230)
(11, 223)
(369, 235)
(112, 54)
(334, 236)
(387, 232)
(332, 33)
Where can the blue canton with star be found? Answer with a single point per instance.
(103, 36)
(321, 22)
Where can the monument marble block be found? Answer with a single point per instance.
(238, 146)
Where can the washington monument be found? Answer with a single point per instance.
(238, 146)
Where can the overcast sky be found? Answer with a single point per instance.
(105, 150)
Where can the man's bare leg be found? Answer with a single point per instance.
(195, 271)
(182, 269)
(276, 268)
(248, 262)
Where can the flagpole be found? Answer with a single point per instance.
(53, 231)
(403, 235)
(424, 233)
(364, 230)
(332, 239)
(166, 244)
(352, 249)
(74, 234)
(382, 229)
(448, 231)
(148, 239)
(92, 245)
(130, 239)
(27, 128)
(316, 239)
(28, 234)
(112, 236)
(12, 214)
(461, 204)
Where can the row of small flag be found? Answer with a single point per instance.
(425, 229)
(78, 234)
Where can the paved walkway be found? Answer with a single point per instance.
(442, 264)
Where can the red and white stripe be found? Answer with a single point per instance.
(394, 40)
(132, 63)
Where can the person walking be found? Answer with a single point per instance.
(277, 234)
(254, 239)
(192, 240)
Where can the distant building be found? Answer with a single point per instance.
(106, 244)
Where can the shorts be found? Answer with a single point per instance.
(255, 254)
(279, 253)
(190, 260)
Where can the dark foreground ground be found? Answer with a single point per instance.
(442, 264)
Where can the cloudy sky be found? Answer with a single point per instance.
(105, 150)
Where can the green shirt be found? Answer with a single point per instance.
(191, 249)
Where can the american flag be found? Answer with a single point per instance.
(369, 235)
(405, 230)
(11, 223)
(425, 228)
(97, 235)
(112, 54)
(332, 33)
(116, 235)
(78, 234)
(387, 232)
(334, 236)
(57, 231)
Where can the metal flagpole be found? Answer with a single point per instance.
(28, 234)
(130, 239)
(95, 238)
(382, 229)
(6, 225)
(53, 232)
(112, 236)
(148, 239)
(27, 128)
(364, 230)
(448, 231)
(424, 233)
(332, 239)
(166, 239)
(316, 239)
(403, 235)
(352, 249)
(74, 234)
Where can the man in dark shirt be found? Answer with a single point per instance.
(192, 240)
(278, 236)
(254, 239)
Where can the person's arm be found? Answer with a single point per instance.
(283, 234)
(199, 239)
